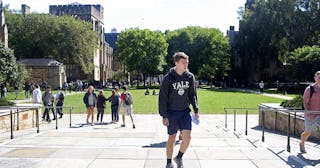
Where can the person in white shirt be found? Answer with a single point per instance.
(261, 86)
(36, 95)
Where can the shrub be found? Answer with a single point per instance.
(296, 103)
(5, 102)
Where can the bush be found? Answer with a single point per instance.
(5, 102)
(296, 103)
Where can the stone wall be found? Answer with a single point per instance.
(53, 75)
(26, 118)
(277, 120)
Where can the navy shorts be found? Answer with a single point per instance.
(179, 120)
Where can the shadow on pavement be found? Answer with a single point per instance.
(313, 162)
(159, 145)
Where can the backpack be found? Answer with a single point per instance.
(61, 97)
(311, 91)
(128, 99)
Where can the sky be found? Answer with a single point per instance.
(153, 14)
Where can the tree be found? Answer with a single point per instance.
(269, 31)
(142, 51)
(305, 61)
(65, 38)
(208, 49)
(10, 71)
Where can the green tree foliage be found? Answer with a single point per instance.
(65, 38)
(208, 49)
(305, 62)
(10, 71)
(269, 30)
(142, 51)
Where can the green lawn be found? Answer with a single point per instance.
(210, 102)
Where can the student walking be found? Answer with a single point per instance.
(261, 87)
(26, 89)
(177, 92)
(59, 102)
(311, 99)
(101, 105)
(114, 99)
(48, 101)
(126, 104)
(90, 100)
(36, 95)
(16, 90)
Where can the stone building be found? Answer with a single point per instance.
(3, 27)
(111, 39)
(45, 70)
(231, 33)
(103, 55)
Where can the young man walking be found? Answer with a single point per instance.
(177, 92)
(126, 104)
(311, 99)
(48, 100)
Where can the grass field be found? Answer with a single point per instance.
(210, 102)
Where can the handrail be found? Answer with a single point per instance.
(290, 111)
(17, 109)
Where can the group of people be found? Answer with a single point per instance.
(118, 101)
(147, 92)
(48, 100)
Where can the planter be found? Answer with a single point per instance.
(276, 119)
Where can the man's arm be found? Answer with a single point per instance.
(163, 97)
(193, 95)
(306, 98)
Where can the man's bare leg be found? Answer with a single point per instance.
(170, 145)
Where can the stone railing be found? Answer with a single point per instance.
(23, 117)
(276, 119)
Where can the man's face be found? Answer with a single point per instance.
(182, 64)
(317, 78)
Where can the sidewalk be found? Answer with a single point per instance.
(109, 145)
(264, 94)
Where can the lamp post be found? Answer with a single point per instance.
(285, 76)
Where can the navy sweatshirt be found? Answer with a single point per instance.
(179, 95)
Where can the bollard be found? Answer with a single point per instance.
(294, 123)
(275, 122)
(70, 116)
(18, 119)
(246, 132)
(234, 120)
(37, 120)
(225, 118)
(11, 123)
(288, 133)
(55, 116)
(262, 125)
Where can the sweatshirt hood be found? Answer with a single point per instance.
(173, 72)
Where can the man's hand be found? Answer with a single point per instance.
(196, 115)
(165, 121)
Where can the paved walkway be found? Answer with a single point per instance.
(264, 94)
(109, 145)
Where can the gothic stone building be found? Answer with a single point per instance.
(103, 55)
